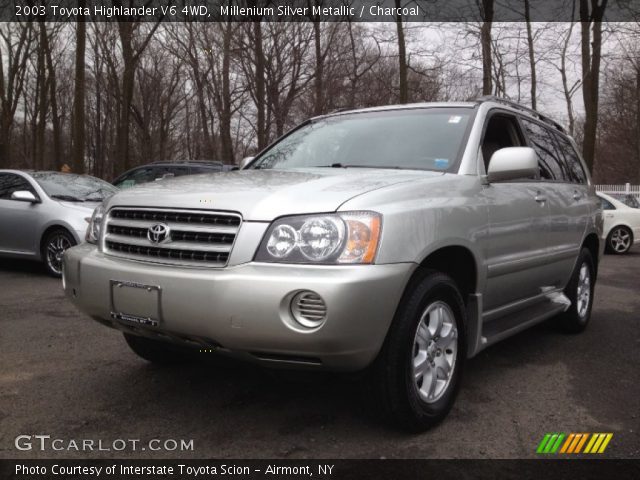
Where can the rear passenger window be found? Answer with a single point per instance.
(606, 205)
(572, 160)
(552, 165)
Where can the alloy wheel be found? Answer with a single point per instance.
(620, 240)
(56, 247)
(435, 347)
(584, 291)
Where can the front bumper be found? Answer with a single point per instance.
(244, 309)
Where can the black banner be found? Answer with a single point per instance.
(303, 10)
(579, 469)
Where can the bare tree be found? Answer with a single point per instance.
(532, 54)
(486, 12)
(77, 157)
(591, 14)
(15, 52)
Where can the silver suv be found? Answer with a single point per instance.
(401, 240)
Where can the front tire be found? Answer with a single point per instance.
(53, 247)
(418, 371)
(619, 240)
(580, 291)
(155, 351)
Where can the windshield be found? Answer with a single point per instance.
(424, 139)
(74, 188)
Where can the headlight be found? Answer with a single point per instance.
(95, 224)
(349, 237)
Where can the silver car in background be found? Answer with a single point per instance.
(44, 213)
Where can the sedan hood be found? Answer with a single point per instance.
(262, 195)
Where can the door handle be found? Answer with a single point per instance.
(540, 198)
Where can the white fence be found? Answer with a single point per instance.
(627, 188)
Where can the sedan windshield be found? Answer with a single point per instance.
(74, 188)
(423, 139)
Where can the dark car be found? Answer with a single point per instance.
(159, 170)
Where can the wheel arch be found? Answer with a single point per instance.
(51, 228)
(457, 261)
(592, 243)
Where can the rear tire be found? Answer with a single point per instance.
(619, 240)
(417, 374)
(580, 291)
(53, 247)
(155, 351)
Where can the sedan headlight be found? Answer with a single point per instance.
(346, 237)
(95, 224)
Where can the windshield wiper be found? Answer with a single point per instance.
(343, 165)
(94, 199)
(68, 198)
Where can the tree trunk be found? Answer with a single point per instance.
(42, 101)
(53, 99)
(402, 57)
(591, 55)
(261, 102)
(225, 115)
(128, 77)
(532, 58)
(318, 103)
(638, 117)
(485, 42)
(77, 157)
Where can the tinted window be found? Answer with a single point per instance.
(606, 205)
(203, 169)
(572, 160)
(551, 165)
(151, 174)
(10, 182)
(428, 138)
(72, 187)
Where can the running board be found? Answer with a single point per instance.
(496, 328)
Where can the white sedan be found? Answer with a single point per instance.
(621, 224)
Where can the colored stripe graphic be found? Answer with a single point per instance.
(572, 443)
(582, 442)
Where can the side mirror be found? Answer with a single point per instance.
(513, 163)
(245, 161)
(24, 196)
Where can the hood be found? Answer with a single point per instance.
(85, 207)
(262, 195)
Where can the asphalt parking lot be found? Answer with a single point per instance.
(64, 375)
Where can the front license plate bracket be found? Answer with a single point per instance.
(135, 303)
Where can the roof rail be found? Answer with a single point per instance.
(531, 111)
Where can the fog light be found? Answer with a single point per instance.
(308, 309)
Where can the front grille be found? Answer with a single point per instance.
(194, 238)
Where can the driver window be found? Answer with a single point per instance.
(10, 182)
(502, 131)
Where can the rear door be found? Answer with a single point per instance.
(568, 194)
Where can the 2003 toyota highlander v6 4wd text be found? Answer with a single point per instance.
(401, 240)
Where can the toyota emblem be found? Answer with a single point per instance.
(158, 233)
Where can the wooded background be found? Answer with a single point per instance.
(104, 97)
